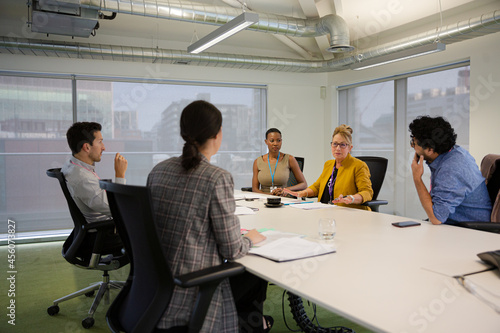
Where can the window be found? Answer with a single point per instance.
(140, 120)
(34, 116)
(380, 113)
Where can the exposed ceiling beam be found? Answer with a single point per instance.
(283, 39)
(314, 9)
(294, 46)
(309, 8)
(327, 7)
(337, 7)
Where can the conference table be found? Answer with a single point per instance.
(385, 278)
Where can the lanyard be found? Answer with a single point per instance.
(81, 166)
(275, 167)
(332, 183)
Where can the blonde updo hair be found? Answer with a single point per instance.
(345, 131)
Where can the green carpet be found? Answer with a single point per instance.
(43, 275)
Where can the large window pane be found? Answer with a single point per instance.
(445, 94)
(34, 116)
(371, 116)
(141, 120)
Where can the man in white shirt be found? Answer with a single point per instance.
(86, 143)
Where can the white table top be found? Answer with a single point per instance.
(386, 278)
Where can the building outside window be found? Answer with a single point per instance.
(140, 120)
(380, 113)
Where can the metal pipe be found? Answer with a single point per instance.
(474, 27)
(199, 13)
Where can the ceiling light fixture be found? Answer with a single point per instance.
(401, 55)
(230, 28)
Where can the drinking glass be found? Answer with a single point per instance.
(326, 228)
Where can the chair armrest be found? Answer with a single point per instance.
(102, 225)
(209, 275)
(373, 203)
(482, 226)
(208, 280)
(101, 229)
(247, 189)
(76, 239)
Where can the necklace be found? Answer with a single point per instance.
(272, 188)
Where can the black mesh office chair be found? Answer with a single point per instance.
(490, 168)
(84, 249)
(378, 167)
(291, 179)
(149, 287)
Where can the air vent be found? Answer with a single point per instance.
(69, 20)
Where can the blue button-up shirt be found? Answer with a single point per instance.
(458, 189)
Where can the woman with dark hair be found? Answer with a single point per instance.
(194, 208)
(271, 171)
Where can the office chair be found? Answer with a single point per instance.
(83, 248)
(378, 167)
(490, 169)
(291, 179)
(150, 285)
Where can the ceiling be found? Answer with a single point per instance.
(370, 23)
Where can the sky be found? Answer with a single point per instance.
(150, 99)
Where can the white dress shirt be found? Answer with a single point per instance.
(83, 184)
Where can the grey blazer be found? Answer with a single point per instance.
(194, 215)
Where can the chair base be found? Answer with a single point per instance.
(102, 288)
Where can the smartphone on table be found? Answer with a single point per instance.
(405, 224)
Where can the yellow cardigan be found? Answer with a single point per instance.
(353, 177)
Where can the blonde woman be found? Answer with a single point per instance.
(345, 180)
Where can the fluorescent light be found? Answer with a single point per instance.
(401, 55)
(230, 28)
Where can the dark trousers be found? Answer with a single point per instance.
(249, 292)
(110, 244)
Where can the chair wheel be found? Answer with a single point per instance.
(90, 293)
(53, 310)
(88, 322)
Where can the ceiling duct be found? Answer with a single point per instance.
(218, 15)
(336, 27)
(453, 33)
(66, 18)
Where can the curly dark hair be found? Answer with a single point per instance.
(435, 133)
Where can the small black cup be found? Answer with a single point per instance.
(273, 201)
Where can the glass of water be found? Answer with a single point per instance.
(326, 228)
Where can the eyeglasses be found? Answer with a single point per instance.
(341, 145)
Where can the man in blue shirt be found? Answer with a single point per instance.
(458, 190)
